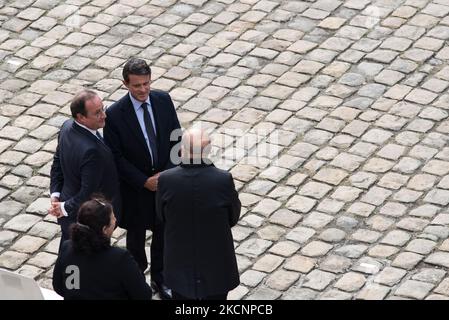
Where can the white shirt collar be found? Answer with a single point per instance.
(94, 132)
(136, 103)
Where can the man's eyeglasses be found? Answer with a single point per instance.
(98, 201)
(99, 113)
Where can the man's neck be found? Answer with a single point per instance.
(195, 161)
(138, 102)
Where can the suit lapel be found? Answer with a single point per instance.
(103, 144)
(89, 135)
(156, 104)
(83, 131)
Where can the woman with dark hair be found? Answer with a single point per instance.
(88, 267)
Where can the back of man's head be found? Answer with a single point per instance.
(195, 145)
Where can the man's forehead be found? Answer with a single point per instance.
(135, 78)
(94, 103)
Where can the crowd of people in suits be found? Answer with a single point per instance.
(134, 177)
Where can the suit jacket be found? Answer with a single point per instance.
(109, 274)
(83, 165)
(125, 138)
(199, 205)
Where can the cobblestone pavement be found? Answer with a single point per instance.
(330, 114)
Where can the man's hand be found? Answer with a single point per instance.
(151, 183)
(55, 209)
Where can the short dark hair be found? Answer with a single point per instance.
(78, 104)
(87, 234)
(135, 66)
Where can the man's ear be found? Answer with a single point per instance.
(80, 118)
(125, 83)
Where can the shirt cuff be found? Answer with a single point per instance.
(63, 209)
(55, 194)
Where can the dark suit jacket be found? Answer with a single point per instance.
(199, 205)
(109, 274)
(125, 138)
(83, 165)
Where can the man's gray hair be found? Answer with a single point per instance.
(195, 144)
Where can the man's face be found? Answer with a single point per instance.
(108, 230)
(139, 86)
(95, 116)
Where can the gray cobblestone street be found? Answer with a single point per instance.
(332, 116)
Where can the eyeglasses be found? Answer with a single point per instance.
(98, 201)
(99, 113)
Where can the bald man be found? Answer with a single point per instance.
(198, 205)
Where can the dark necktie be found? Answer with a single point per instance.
(150, 132)
(99, 136)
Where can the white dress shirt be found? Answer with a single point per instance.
(139, 113)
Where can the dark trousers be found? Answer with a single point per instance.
(135, 243)
(177, 296)
(65, 224)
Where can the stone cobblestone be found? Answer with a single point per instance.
(7, 237)
(373, 292)
(252, 278)
(300, 264)
(12, 259)
(331, 115)
(282, 280)
(390, 276)
(406, 260)
(414, 289)
(28, 244)
(430, 275)
(318, 280)
(350, 281)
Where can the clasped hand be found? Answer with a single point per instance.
(151, 183)
(55, 208)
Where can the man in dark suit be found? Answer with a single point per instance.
(198, 204)
(141, 132)
(83, 164)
